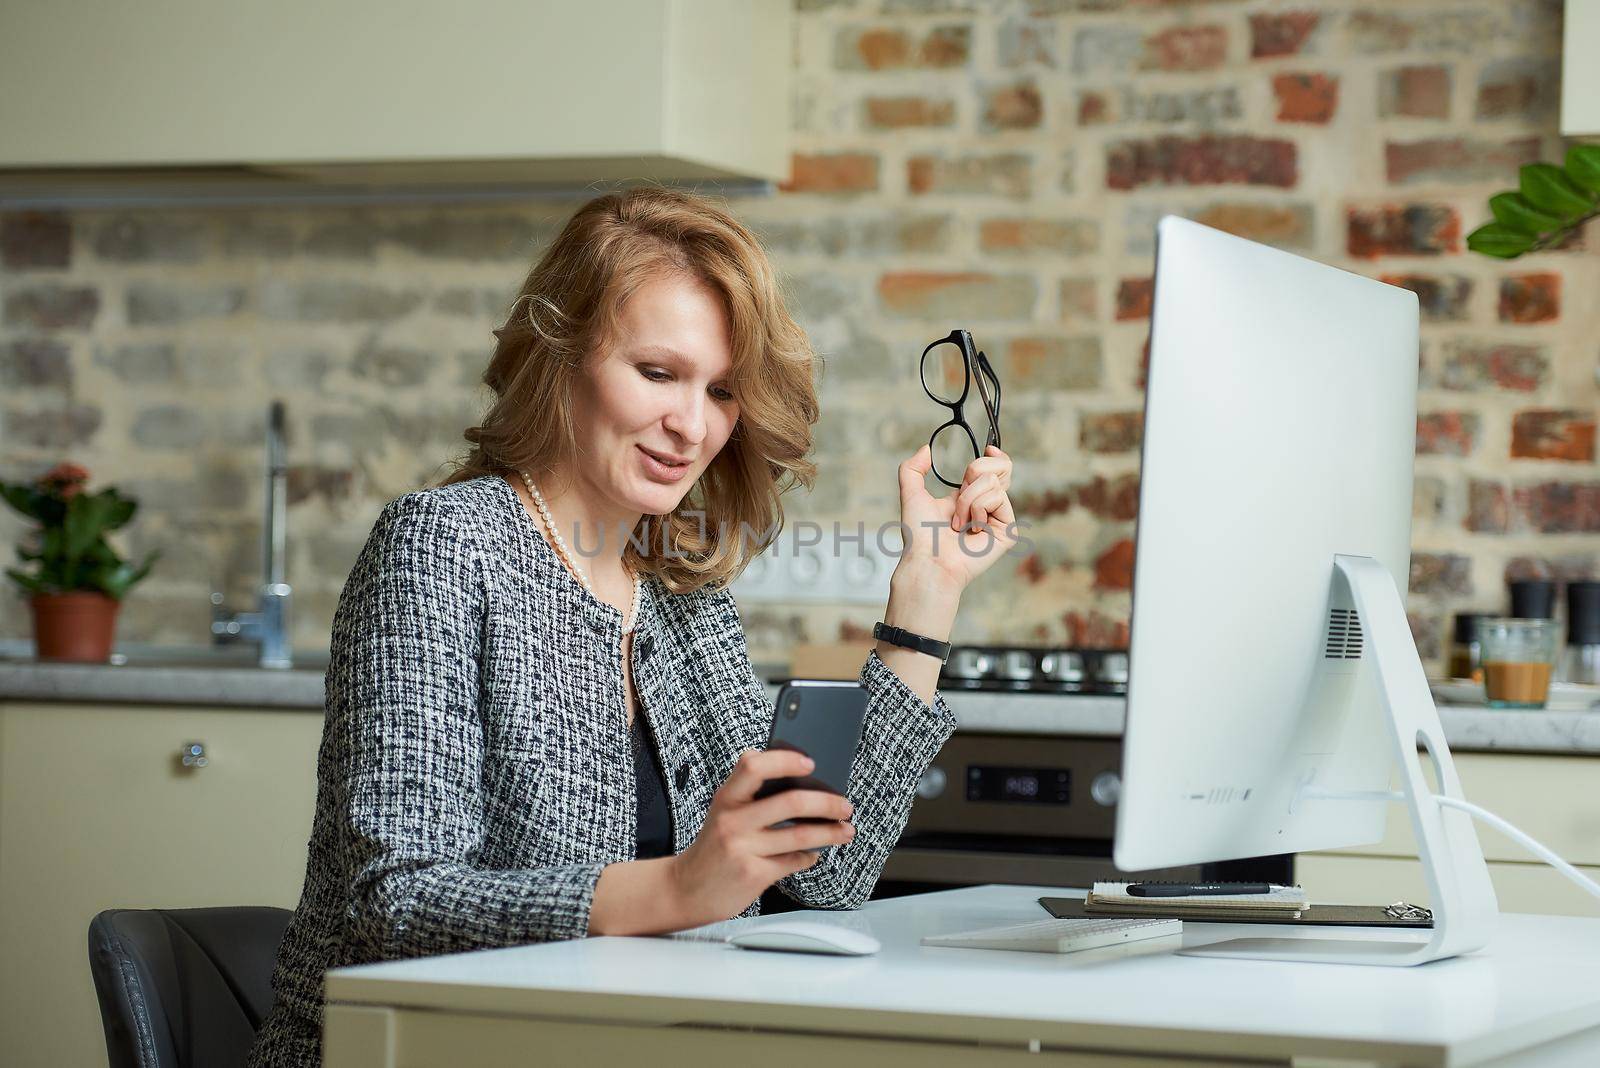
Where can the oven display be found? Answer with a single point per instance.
(1044, 786)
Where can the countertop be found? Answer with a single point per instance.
(201, 678)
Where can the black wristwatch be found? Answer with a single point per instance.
(907, 640)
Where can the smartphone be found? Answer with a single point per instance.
(823, 720)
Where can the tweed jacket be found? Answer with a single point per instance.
(475, 773)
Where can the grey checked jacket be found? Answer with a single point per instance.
(475, 774)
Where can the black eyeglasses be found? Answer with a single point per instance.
(947, 374)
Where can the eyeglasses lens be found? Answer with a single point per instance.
(952, 452)
(944, 372)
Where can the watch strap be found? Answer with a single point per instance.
(905, 639)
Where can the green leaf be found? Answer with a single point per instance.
(88, 517)
(1583, 166)
(1496, 240)
(1548, 188)
(23, 498)
(27, 582)
(121, 512)
(1513, 211)
(80, 528)
(117, 582)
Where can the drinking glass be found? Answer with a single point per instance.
(1518, 657)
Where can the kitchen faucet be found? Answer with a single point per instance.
(268, 625)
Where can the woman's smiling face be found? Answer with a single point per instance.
(654, 408)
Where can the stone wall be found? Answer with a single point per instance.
(997, 165)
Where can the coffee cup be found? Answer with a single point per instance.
(1518, 658)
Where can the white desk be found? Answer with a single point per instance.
(1532, 999)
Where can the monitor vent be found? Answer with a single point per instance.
(1344, 635)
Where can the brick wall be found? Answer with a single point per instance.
(997, 165)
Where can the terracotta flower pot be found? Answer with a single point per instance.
(76, 626)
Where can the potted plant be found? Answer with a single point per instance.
(1549, 204)
(78, 580)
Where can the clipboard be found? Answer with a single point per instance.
(1396, 915)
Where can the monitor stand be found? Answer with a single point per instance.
(1464, 906)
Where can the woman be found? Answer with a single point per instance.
(542, 721)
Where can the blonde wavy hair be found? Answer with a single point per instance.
(568, 308)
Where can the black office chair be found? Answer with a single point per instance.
(183, 988)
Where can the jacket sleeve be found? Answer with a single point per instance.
(900, 737)
(403, 752)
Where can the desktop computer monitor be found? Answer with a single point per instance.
(1274, 686)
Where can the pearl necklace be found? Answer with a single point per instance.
(566, 554)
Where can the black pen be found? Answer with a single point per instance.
(1199, 889)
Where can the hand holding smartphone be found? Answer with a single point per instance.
(823, 720)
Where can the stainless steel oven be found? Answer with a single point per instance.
(1015, 808)
(1035, 808)
(1029, 805)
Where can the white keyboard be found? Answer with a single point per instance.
(1058, 936)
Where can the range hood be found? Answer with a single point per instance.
(216, 99)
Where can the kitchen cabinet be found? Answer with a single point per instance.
(98, 811)
(359, 93)
(1556, 799)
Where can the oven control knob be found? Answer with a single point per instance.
(1018, 665)
(1062, 666)
(931, 785)
(1106, 788)
(968, 663)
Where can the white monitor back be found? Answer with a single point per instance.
(1280, 427)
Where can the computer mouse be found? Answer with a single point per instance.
(800, 937)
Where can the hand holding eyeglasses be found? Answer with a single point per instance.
(954, 539)
(962, 535)
(949, 367)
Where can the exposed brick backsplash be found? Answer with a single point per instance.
(964, 295)
(1403, 230)
(1134, 297)
(999, 166)
(890, 47)
(1186, 48)
(1553, 434)
(1557, 507)
(1453, 159)
(1415, 92)
(1064, 237)
(1472, 365)
(1113, 569)
(1111, 432)
(898, 112)
(51, 307)
(1434, 574)
(1012, 107)
(1235, 159)
(1447, 433)
(1281, 33)
(1306, 97)
(833, 172)
(35, 239)
(1440, 298)
(1530, 298)
(1007, 174)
